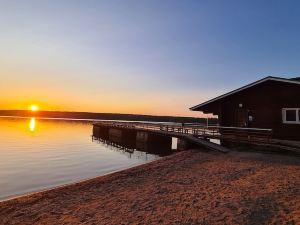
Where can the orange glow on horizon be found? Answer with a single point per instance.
(109, 103)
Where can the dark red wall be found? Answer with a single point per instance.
(264, 102)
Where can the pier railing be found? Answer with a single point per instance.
(200, 130)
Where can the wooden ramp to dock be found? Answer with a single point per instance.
(207, 144)
(188, 137)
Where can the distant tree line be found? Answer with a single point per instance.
(106, 116)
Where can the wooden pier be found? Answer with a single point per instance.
(189, 134)
(162, 133)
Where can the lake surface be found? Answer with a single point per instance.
(38, 154)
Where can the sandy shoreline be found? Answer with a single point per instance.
(191, 187)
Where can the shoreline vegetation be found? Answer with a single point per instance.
(188, 187)
(105, 116)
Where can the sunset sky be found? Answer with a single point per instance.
(144, 57)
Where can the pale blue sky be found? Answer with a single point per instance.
(151, 57)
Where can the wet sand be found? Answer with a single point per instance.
(191, 187)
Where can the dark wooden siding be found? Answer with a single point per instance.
(264, 102)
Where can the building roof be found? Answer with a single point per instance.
(269, 78)
(295, 79)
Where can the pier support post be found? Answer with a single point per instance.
(100, 132)
(183, 144)
(153, 143)
(123, 136)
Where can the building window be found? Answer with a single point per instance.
(291, 115)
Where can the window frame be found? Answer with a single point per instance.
(291, 122)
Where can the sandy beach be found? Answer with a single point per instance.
(190, 187)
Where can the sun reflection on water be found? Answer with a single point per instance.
(32, 124)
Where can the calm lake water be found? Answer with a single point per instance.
(37, 154)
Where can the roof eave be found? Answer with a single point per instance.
(279, 79)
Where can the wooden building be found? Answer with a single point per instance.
(270, 103)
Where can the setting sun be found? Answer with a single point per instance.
(34, 107)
